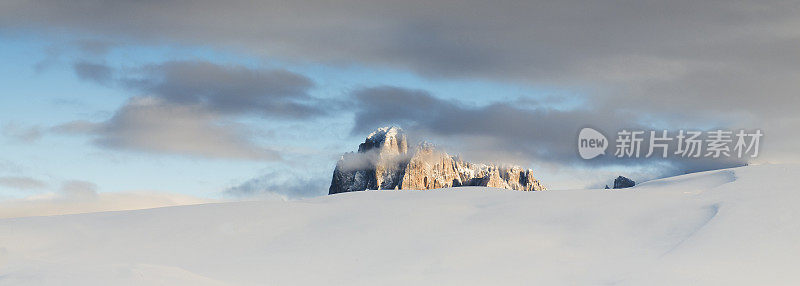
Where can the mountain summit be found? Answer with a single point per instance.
(384, 162)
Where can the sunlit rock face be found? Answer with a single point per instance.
(384, 162)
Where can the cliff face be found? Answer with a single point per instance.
(384, 162)
(623, 182)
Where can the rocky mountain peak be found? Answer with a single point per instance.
(384, 161)
(387, 140)
(623, 182)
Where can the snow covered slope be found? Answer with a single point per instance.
(729, 227)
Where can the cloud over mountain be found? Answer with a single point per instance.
(510, 131)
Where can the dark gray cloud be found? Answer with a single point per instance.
(22, 183)
(283, 185)
(77, 189)
(94, 47)
(189, 107)
(711, 60)
(95, 72)
(227, 89)
(25, 134)
(530, 40)
(150, 124)
(676, 63)
(507, 132)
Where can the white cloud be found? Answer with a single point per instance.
(21, 183)
(21, 133)
(74, 199)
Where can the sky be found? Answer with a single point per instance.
(240, 99)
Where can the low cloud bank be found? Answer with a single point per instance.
(81, 197)
(278, 185)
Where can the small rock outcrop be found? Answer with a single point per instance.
(384, 162)
(622, 182)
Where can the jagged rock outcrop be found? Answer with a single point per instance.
(623, 182)
(384, 162)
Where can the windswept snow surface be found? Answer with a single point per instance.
(729, 227)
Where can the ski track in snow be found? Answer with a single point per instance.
(713, 210)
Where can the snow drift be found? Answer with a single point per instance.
(728, 227)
